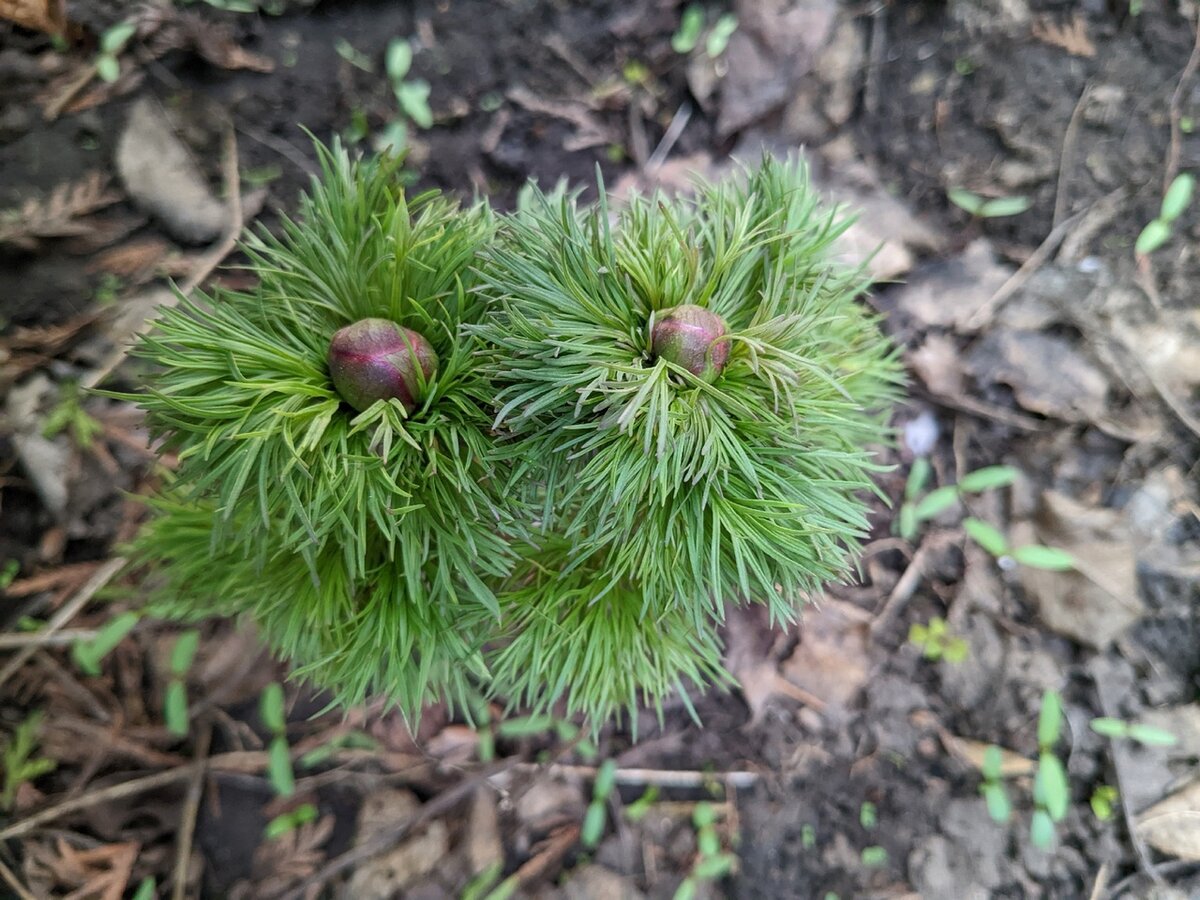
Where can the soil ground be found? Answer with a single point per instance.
(848, 762)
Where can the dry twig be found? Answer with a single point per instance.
(191, 806)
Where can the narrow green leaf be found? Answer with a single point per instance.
(988, 478)
(89, 654)
(526, 726)
(1055, 792)
(1049, 720)
(279, 767)
(1038, 557)
(986, 536)
(606, 779)
(1153, 236)
(279, 826)
(718, 37)
(1178, 197)
(907, 525)
(918, 477)
(936, 502)
(993, 763)
(478, 886)
(687, 889)
(1109, 727)
(998, 805)
(398, 60)
(108, 68)
(113, 40)
(703, 815)
(593, 824)
(413, 97)
(507, 888)
(715, 867)
(184, 651)
(1041, 830)
(271, 707)
(965, 200)
(707, 841)
(147, 890)
(690, 25)
(1004, 206)
(175, 708)
(874, 857)
(1151, 736)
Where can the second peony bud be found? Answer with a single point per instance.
(692, 337)
(376, 359)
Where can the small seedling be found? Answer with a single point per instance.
(351, 740)
(992, 788)
(983, 208)
(147, 890)
(636, 811)
(691, 29)
(112, 42)
(355, 57)
(1147, 735)
(411, 94)
(1051, 794)
(595, 817)
(1175, 202)
(20, 764)
(935, 641)
(288, 821)
(279, 757)
(712, 863)
(90, 653)
(867, 815)
(1102, 800)
(874, 857)
(917, 508)
(175, 701)
(9, 572)
(69, 414)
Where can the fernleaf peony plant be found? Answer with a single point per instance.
(436, 453)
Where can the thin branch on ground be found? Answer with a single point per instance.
(671, 778)
(13, 882)
(41, 639)
(64, 615)
(910, 580)
(191, 807)
(1070, 138)
(389, 837)
(1171, 169)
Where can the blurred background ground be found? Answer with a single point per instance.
(848, 762)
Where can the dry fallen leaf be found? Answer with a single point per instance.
(831, 661)
(39, 15)
(1172, 826)
(1070, 36)
(938, 363)
(55, 214)
(1099, 599)
(972, 753)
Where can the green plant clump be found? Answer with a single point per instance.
(572, 443)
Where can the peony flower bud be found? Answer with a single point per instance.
(689, 336)
(376, 359)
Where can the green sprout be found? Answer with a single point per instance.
(1147, 735)
(356, 58)
(69, 415)
(9, 572)
(147, 889)
(1174, 204)
(20, 764)
(596, 816)
(279, 754)
(175, 701)
(412, 95)
(992, 788)
(691, 29)
(919, 507)
(712, 863)
(88, 654)
(1102, 800)
(1051, 792)
(982, 208)
(935, 641)
(112, 42)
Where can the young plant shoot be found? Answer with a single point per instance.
(436, 453)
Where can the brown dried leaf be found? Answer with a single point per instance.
(939, 364)
(54, 215)
(831, 661)
(39, 15)
(1070, 36)
(134, 260)
(1098, 600)
(1172, 826)
(291, 857)
(101, 873)
(972, 753)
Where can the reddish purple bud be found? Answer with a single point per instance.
(376, 359)
(690, 336)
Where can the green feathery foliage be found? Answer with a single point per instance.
(355, 540)
(563, 517)
(695, 494)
